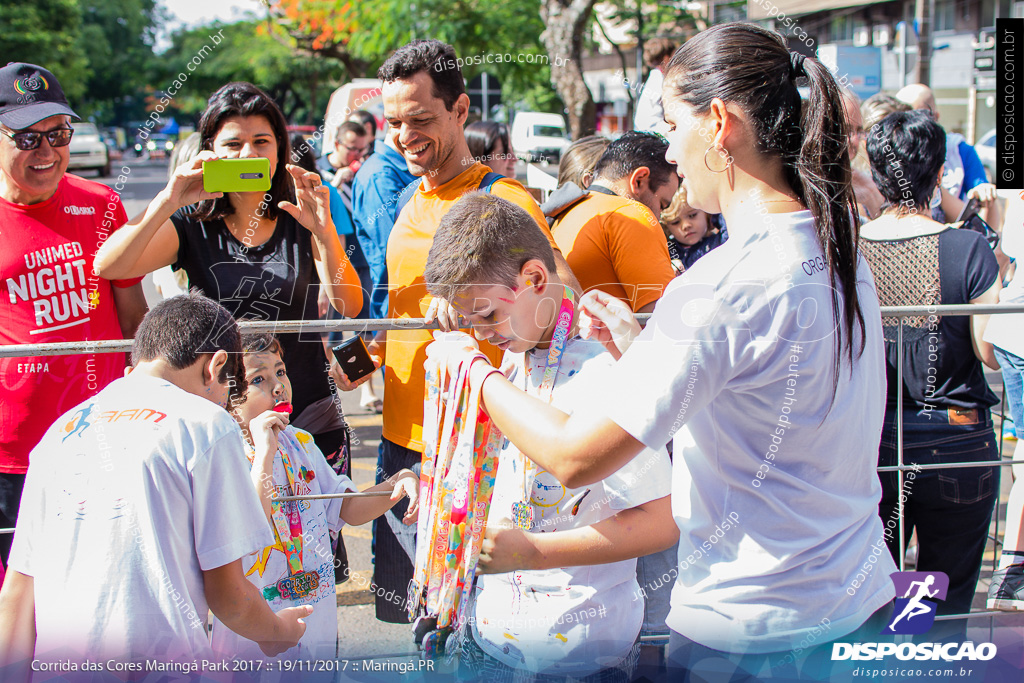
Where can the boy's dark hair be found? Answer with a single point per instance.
(259, 342)
(436, 58)
(483, 240)
(906, 150)
(245, 99)
(183, 328)
(633, 150)
(349, 127)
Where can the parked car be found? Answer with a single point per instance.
(87, 149)
(986, 149)
(539, 136)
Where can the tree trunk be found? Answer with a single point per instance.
(563, 39)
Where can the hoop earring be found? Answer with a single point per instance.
(728, 161)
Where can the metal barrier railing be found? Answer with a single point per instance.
(321, 326)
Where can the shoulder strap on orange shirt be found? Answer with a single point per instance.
(403, 198)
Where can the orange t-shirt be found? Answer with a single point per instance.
(615, 245)
(408, 246)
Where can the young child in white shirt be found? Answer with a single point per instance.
(298, 569)
(136, 516)
(560, 597)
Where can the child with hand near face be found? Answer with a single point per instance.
(298, 569)
(557, 595)
(691, 233)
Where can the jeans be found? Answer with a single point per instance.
(649, 569)
(394, 543)
(1013, 382)
(691, 662)
(950, 508)
(11, 486)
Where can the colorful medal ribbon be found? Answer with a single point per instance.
(289, 511)
(522, 511)
(287, 522)
(460, 460)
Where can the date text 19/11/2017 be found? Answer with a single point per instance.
(352, 665)
(289, 665)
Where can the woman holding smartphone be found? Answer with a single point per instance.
(763, 363)
(261, 255)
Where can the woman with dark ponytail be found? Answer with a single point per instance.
(763, 363)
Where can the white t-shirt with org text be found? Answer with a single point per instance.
(736, 366)
(268, 570)
(571, 620)
(129, 497)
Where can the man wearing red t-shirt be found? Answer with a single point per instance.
(51, 225)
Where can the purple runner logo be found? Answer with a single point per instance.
(913, 612)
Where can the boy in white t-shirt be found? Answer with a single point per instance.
(297, 569)
(137, 512)
(561, 598)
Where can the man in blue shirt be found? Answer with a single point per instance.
(375, 194)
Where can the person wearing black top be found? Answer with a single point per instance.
(262, 256)
(946, 400)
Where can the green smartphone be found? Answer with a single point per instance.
(236, 175)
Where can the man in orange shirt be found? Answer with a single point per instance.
(634, 167)
(426, 106)
(612, 238)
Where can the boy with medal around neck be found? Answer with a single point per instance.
(284, 461)
(558, 594)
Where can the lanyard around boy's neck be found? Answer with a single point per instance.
(522, 511)
(559, 340)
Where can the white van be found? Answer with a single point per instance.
(539, 136)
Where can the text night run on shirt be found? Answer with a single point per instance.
(49, 285)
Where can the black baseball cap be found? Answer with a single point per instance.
(29, 94)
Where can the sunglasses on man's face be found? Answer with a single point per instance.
(29, 140)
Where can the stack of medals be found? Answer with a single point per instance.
(460, 460)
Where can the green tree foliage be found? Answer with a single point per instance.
(248, 51)
(646, 20)
(47, 33)
(117, 38)
(363, 34)
(100, 50)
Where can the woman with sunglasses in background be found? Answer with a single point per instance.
(917, 261)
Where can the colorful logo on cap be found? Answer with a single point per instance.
(31, 84)
(914, 613)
